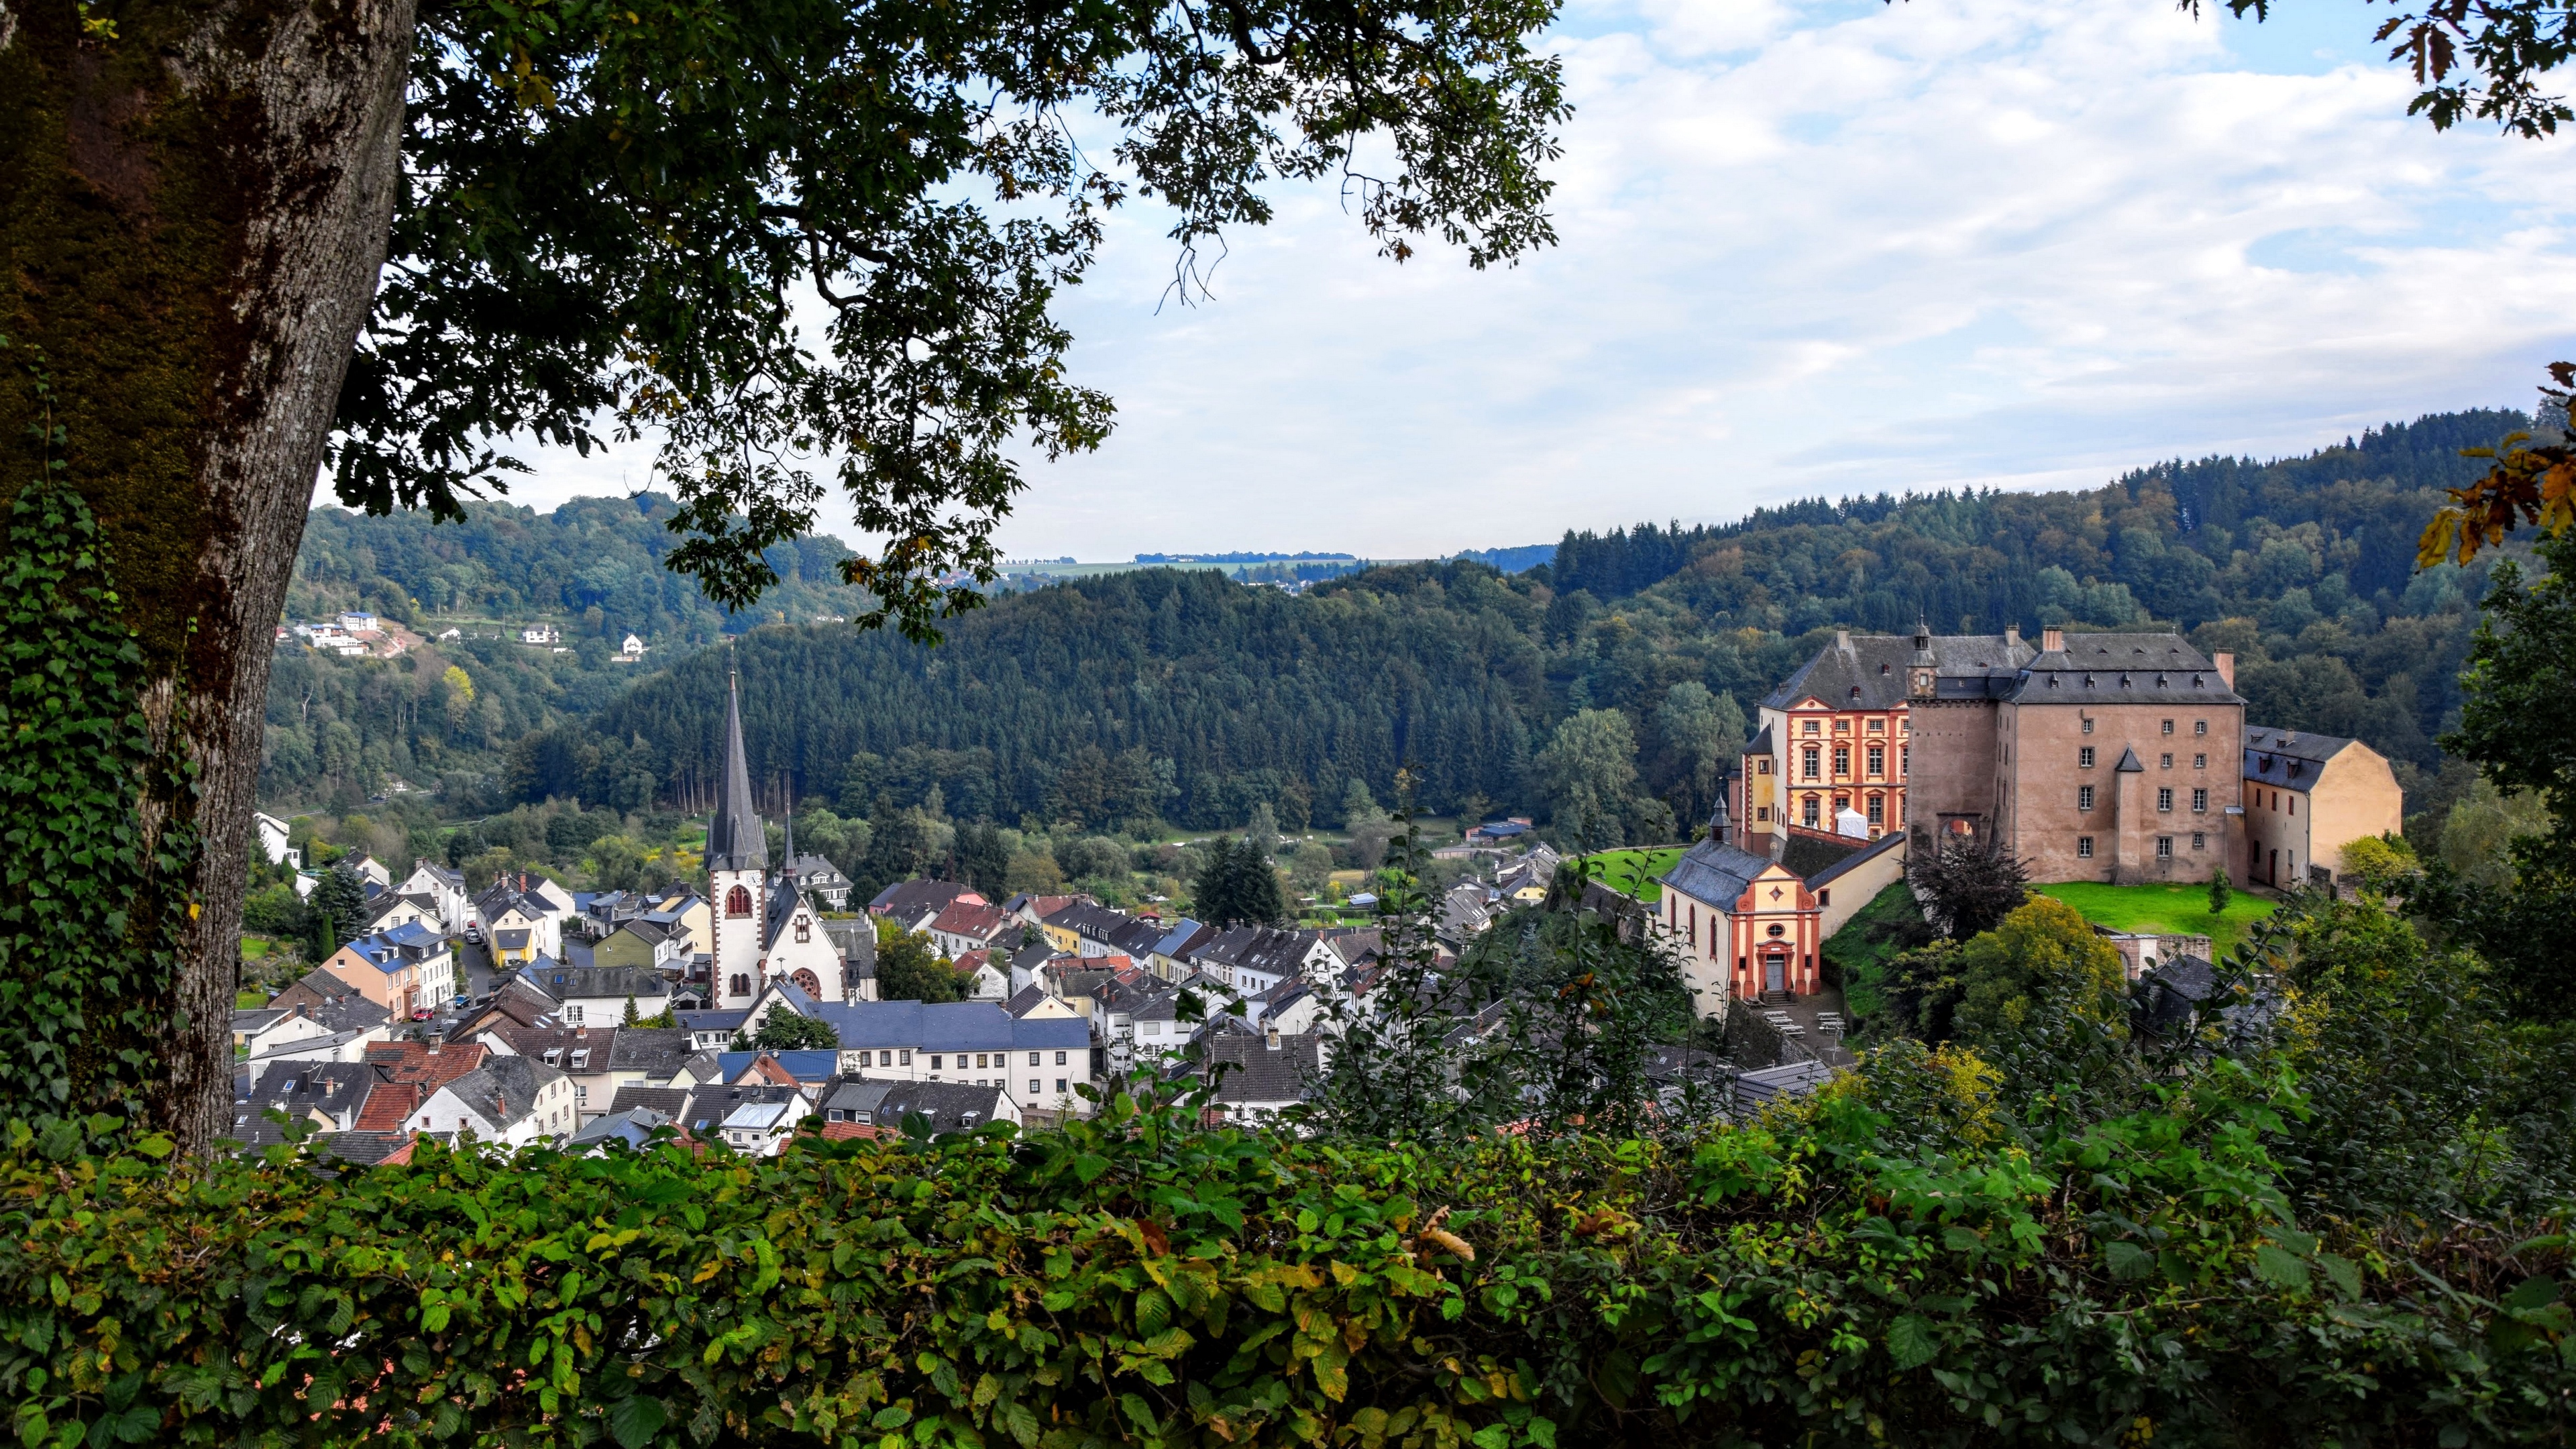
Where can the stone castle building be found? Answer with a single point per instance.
(2110, 757)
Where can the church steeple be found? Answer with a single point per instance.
(735, 840)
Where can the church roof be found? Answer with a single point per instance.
(1715, 873)
(735, 840)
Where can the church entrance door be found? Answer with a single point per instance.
(1775, 973)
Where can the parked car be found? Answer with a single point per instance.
(423, 1014)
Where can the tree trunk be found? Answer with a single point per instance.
(195, 212)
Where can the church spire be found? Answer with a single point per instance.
(735, 840)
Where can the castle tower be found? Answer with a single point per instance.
(737, 873)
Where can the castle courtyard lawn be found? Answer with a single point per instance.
(2165, 910)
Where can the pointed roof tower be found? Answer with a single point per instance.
(735, 840)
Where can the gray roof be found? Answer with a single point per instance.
(950, 1106)
(361, 1149)
(857, 942)
(504, 1089)
(948, 1026)
(1258, 1072)
(710, 1105)
(669, 1101)
(563, 982)
(908, 899)
(632, 1126)
(2291, 759)
(1266, 949)
(1091, 920)
(1869, 671)
(1715, 872)
(1795, 1079)
(656, 1051)
(2120, 669)
(735, 840)
(2129, 764)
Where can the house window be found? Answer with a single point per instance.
(2200, 726)
(804, 929)
(2083, 797)
(2084, 847)
(2200, 802)
(2164, 762)
(2294, 804)
(1762, 814)
(2168, 727)
(1033, 1086)
(2199, 842)
(1842, 760)
(1033, 1061)
(1762, 766)
(738, 901)
(1059, 1059)
(2164, 847)
(1878, 810)
(2088, 726)
(934, 1064)
(1904, 759)
(1811, 811)
(2164, 798)
(1814, 761)
(1813, 727)
(572, 1015)
(2084, 758)
(1843, 726)
(980, 1061)
(1878, 759)
(1878, 726)
(2200, 762)
(907, 1056)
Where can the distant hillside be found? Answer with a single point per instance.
(593, 566)
(1185, 695)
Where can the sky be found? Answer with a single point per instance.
(1821, 249)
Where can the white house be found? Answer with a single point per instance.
(633, 648)
(597, 995)
(444, 887)
(760, 1129)
(513, 1100)
(272, 839)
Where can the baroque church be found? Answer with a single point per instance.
(765, 928)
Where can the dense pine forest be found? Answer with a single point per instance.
(1184, 697)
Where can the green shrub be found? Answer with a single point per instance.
(1824, 1276)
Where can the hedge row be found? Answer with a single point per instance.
(1841, 1274)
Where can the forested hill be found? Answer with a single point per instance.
(1193, 698)
(592, 567)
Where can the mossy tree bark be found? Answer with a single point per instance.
(196, 204)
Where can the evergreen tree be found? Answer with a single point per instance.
(1217, 894)
(1257, 886)
(982, 859)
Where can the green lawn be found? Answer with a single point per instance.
(254, 947)
(1858, 959)
(1633, 872)
(2173, 910)
(249, 1000)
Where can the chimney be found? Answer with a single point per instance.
(2225, 663)
(2052, 640)
(1842, 640)
(1271, 1036)
(2012, 636)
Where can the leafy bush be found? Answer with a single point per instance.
(1892, 1260)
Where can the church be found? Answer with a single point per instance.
(764, 927)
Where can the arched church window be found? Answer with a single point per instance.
(741, 984)
(738, 901)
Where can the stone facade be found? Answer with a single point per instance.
(2109, 757)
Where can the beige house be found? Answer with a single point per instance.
(2307, 796)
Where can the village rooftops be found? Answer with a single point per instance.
(2291, 759)
(948, 1026)
(404, 946)
(910, 900)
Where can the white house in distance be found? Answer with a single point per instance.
(630, 651)
(446, 890)
(273, 834)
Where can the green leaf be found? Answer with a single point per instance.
(1911, 1342)
(1492, 1436)
(2280, 1267)
(634, 1421)
(2128, 1260)
(2343, 1273)
(1021, 1422)
(2537, 1292)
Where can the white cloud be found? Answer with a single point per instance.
(1822, 248)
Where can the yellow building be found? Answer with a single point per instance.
(2307, 796)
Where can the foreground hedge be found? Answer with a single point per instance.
(1814, 1280)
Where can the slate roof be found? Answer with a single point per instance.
(950, 1106)
(632, 1126)
(912, 899)
(949, 1026)
(709, 1106)
(365, 1149)
(580, 1050)
(405, 945)
(306, 1048)
(1183, 938)
(1715, 873)
(1893, 840)
(1795, 1079)
(856, 941)
(735, 839)
(656, 1051)
(1869, 671)
(2119, 669)
(563, 982)
(1028, 999)
(338, 1088)
(1263, 1075)
(1088, 919)
(1139, 939)
(669, 1101)
(504, 1089)
(1266, 949)
(2290, 759)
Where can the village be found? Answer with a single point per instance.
(749, 1011)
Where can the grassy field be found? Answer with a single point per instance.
(2174, 910)
(249, 1000)
(1857, 958)
(254, 947)
(1633, 872)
